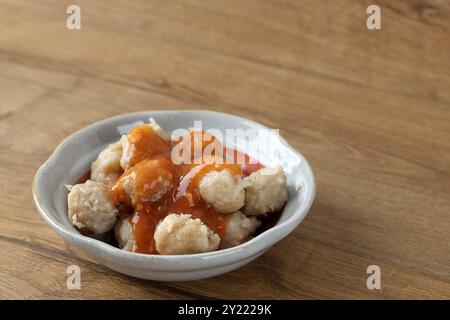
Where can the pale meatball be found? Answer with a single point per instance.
(148, 181)
(128, 148)
(124, 234)
(106, 168)
(180, 234)
(223, 190)
(90, 208)
(240, 228)
(265, 191)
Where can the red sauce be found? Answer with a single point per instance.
(160, 187)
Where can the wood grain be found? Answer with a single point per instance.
(370, 110)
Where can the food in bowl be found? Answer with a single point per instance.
(184, 195)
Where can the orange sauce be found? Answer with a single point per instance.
(147, 143)
(160, 187)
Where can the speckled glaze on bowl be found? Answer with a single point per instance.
(72, 158)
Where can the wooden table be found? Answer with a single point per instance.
(370, 110)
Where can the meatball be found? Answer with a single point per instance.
(90, 208)
(265, 191)
(148, 181)
(240, 228)
(180, 234)
(223, 190)
(142, 136)
(106, 168)
(124, 234)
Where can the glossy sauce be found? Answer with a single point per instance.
(162, 187)
(147, 144)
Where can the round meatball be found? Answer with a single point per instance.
(129, 148)
(124, 234)
(265, 191)
(90, 207)
(239, 229)
(148, 181)
(180, 234)
(223, 190)
(106, 168)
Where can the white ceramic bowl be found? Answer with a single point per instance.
(72, 158)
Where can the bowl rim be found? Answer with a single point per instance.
(251, 247)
